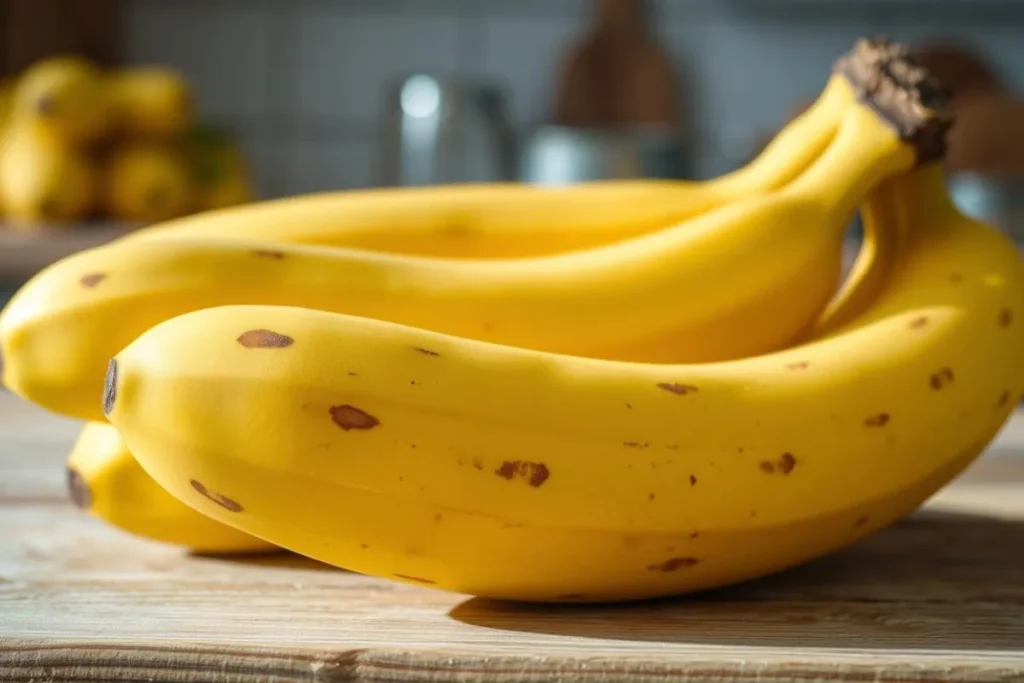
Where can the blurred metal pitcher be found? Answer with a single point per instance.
(440, 131)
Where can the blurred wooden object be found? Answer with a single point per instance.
(618, 75)
(33, 29)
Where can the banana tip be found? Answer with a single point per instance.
(110, 387)
(78, 490)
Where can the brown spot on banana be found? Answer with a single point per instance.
(425, 352)
(1004, 399)
(798, 365)
(941, 378)
(785, 464)
(264, 339)
(223, 501)
(918, 322)
(92, 279)
(673, 564)
(533, 473)
(349, 417)
(269, 253)
(879, 420)
(1005, 318)
(678, 389)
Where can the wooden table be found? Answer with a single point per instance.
(938, 597)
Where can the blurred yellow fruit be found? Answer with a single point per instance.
(68, 95)
(42, 178)
(151, 101)
(148, 181)
(219, 168)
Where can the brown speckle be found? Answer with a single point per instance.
(1005, 317)
(694, 534)
(534, 473)
(363, 546)
(918, 322)
(223, 501)
(349, 417)
(879, 420)
(478, 464)
(78, 490)
(941, 378)
(437, 517)
(1004, 398)
(268, 253)
(799, 365)
(679, 389)
(767, 467)
(92, 279)
(628, 406)
(786, 463)
(635, 444)
(740, 449)
(673, 564)
(425, 352)
(412, 382)
(264, 339)
(693, 480)
(956, 278)
(650, 496)
(488, 327)
(672, 447)
(861, 521)
(417, 579)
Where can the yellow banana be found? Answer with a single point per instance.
(105, 479)
(512, 219)
(741, 280)
(882, 249)
(510, 473)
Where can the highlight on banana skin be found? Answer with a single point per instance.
(610, 390)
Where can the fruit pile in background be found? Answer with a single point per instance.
(606, 391)
(82, 143)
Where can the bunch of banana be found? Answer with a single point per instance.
(742, 279)
(82, 142)
(609, 391)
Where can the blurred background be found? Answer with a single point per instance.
(295, 96)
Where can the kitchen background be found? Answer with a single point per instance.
(312, 88)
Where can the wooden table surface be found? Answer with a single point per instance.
(937, 597)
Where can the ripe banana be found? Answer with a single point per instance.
(105, 479)
(509, 473)
(673, 295)
(511, 219)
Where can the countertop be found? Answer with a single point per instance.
(937, 597)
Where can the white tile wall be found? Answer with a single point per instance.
(305, 80)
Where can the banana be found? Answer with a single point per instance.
(147, 181)
(104, 479)
(43, 180)
(511, 219)
(882, 249)
(151, 101)
(509, 473)
(672, 295)
(68, 96)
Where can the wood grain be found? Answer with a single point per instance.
(937, 597)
